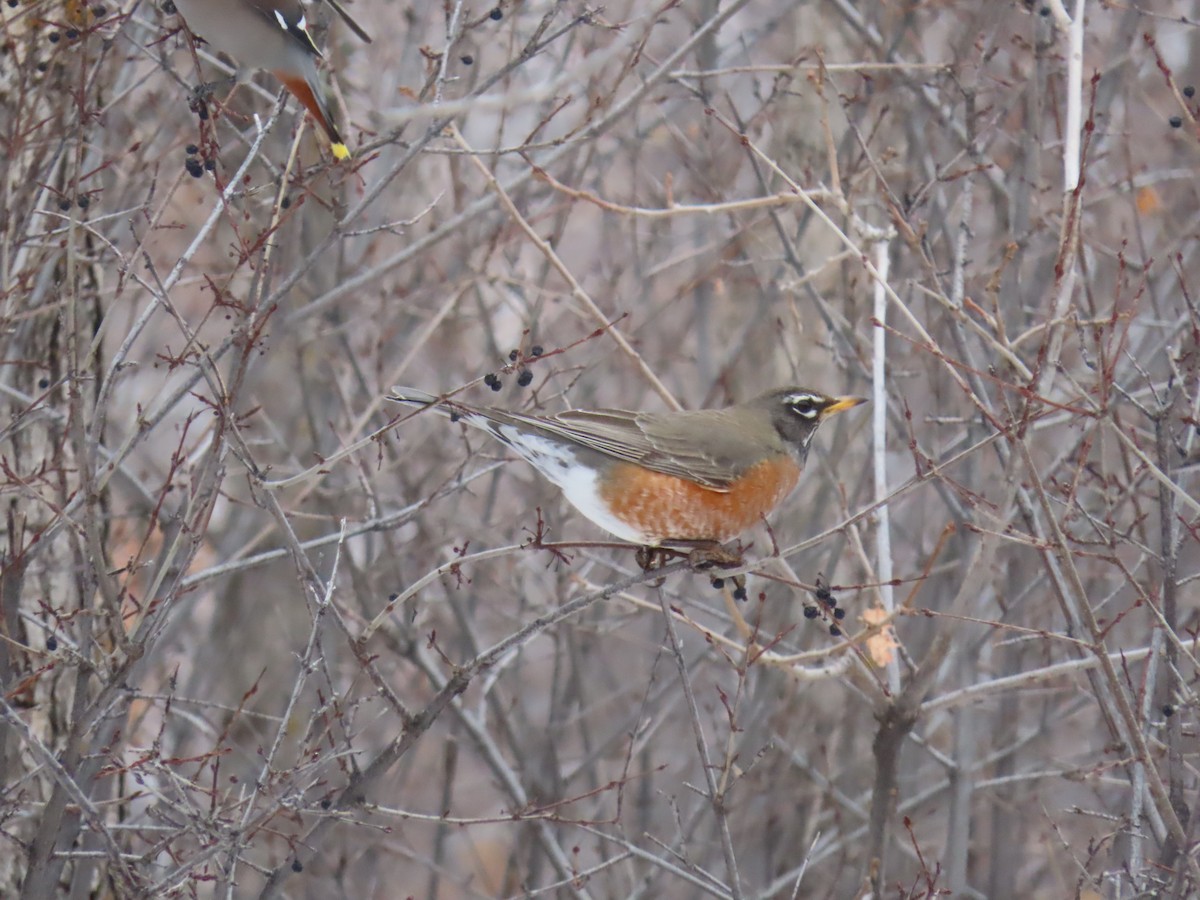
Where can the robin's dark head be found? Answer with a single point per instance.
(798, 412)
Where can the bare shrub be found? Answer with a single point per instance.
(265, 634)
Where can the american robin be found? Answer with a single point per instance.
(658, 479)
(272, 35)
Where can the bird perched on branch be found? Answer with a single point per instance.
(272, 35)
(661, 479)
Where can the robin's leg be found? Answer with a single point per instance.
(710, 555)
(651, 558)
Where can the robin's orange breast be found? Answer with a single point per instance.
(671, 508)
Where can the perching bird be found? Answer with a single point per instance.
(664, 478)
(272, 35)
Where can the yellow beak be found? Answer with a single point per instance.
(841, 404)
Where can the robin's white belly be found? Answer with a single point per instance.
(578, 483)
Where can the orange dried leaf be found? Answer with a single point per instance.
(1148, 201)
(882, 645)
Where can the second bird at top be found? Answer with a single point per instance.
(271, 35)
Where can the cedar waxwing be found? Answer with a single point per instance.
(272, 35)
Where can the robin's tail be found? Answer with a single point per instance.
(455, 412)
(413, 396)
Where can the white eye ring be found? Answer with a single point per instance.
(804, 405)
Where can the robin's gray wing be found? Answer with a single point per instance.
(663, 442)
(612, 433)
(710, 447)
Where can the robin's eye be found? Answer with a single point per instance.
(805, 406)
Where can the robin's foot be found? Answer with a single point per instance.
(701, 556)
(650, 558)
(657, 557)
(709, 556)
